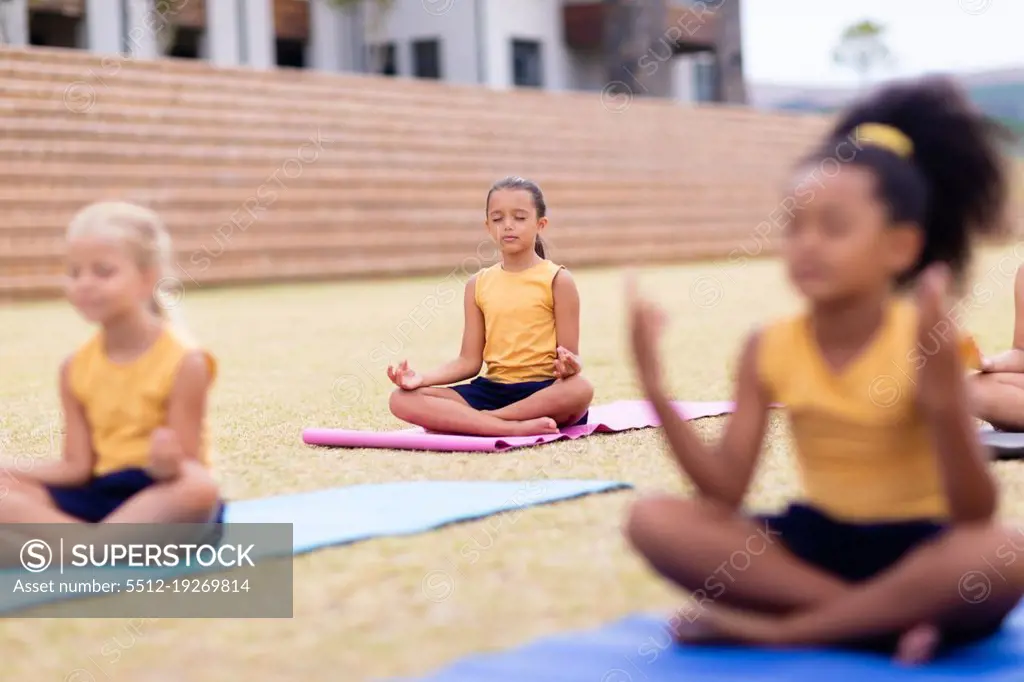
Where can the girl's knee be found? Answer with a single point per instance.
(585, 390)
(653, 520)
(580, 389)
(650, 517)
(23, 489)
(1005, 544)
(970, 546)
(199, 491)
(18, 504)
(398, 403)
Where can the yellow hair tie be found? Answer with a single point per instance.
(885, 136)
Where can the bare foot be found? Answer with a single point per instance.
(533, 427)
(164, 455)
(918, 644)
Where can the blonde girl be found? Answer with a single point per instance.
(133, 396)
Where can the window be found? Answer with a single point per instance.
(49, 29)
(383, 59)
(426, 58)
(706, 77)
(186, 43)
(527, 66)
(291, 53)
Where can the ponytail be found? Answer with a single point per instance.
(939, 165)
(165, 302)
(538, 246)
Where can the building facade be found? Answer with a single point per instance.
(549, 44)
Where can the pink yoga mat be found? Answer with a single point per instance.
(623, 415)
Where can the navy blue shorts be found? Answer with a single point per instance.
(102, 495)
(483, 394)
(857, 552)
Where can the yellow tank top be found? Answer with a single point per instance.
(862, 446)
(125, 403)
(519, 322)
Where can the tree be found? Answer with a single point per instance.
(863, 49)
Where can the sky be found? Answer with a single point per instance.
(791, 41)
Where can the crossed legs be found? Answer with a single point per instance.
(746, 586)
(184, 492)
(952, 582)
(442, 409)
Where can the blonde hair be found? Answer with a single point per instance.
(143, 232)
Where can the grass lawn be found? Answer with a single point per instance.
(300, 356)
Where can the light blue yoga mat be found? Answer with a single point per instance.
(342, 515)
(638, 649)
(339, 516)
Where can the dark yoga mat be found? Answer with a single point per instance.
(1006, 445)
(638, 649)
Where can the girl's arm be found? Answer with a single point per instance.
(76, 466)
(471, 356)
(963, 463)
(722, 472)
(186, 407)
(567, 311)
(1013, 359)
(942, 395)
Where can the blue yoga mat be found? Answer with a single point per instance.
(638, 649)
(343, 515)
(339, 516)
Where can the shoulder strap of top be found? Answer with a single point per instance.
(778, 344)
(482, 276)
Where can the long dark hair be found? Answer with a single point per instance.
(516, 182)
(952, 182)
